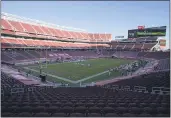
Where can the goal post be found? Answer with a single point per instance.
(43, 53)
(43, 61)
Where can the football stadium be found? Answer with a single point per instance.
(53, 71)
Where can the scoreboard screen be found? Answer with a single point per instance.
(153, 31)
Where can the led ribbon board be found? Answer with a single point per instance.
(153, 31)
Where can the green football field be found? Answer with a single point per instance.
(86, 71)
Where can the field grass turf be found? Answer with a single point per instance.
(76, 72)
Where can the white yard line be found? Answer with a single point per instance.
(95, 75)
(65, 79)
(61, 78)
(71, 81)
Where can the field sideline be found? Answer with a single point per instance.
(78, 71)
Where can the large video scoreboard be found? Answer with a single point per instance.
(144, 32)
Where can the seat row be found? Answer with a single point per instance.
(40, 31)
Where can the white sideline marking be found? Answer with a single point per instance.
(95, 75)
(71, 81)
(61, 78)
(65, 79)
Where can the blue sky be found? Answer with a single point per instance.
(98, 17)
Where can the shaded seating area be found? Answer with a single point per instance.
(156, 79)
(84, 102)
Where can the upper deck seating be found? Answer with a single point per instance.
(14, 42)
(40, 31)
